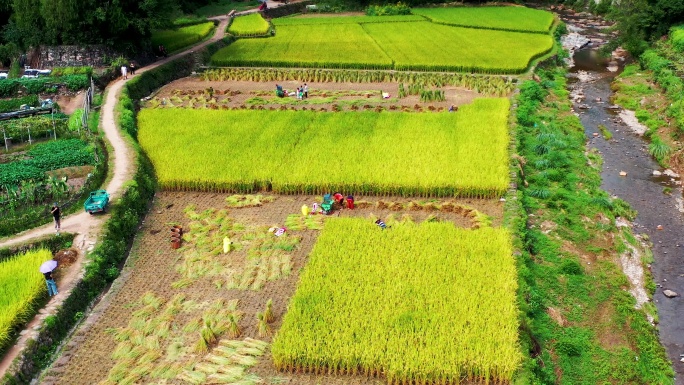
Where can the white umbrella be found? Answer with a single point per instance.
(48, 266)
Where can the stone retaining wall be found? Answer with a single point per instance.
(72, 55)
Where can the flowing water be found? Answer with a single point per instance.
(660, 215)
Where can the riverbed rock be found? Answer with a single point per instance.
(630, 119)
(670, 294)
(613, 66)
(619, 54)
(574, 40)
(670, 173)
(657, 173)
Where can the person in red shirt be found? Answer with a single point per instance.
(350, 202)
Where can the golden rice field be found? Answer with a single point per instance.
(521, 19)
(21, 286)
(491, 40)
(249, 25)
(416, 303)
(175, 39)
(293, 152)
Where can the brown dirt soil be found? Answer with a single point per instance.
(69, 103)
(86, 359)
(66, 257)
(234, 94)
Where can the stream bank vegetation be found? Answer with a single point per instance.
(578, 322)
(654, 90)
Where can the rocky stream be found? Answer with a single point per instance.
(630, 173)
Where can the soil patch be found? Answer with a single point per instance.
(66, 257)
(192, 92)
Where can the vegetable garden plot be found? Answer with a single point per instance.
(432, 47)
(325, 46)
(425, 303)
(44, 157)
(21, 286)
(249, 25)
(504, 18)
(307, 152)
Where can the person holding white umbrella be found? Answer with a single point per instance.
(47, 268)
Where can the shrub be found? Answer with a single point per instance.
(388, 10)
(63, 71)
(677, 38)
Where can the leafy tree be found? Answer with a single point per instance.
(26, 23)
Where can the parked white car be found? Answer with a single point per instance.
(34, 73)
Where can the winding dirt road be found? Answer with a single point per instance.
(87, 227)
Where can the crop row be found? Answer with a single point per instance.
(11, 87)
(21, 286)
(44, 157)
(427, 303)
(313, 152)
(486, 84)
(346, 20)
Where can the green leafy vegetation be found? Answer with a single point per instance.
(45, 157)
(11, 87)
(571, 284)
(249, 25)
(175, 39)
(677, 38)
(521, 19)
(388, 10)
(14, 104)
(427, 303)
(64, 71)
(309, 152)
